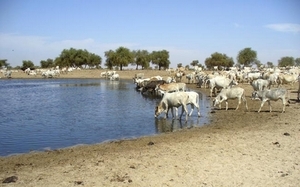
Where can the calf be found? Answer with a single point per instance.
(268, 95)
(170, 100)
(230, 93)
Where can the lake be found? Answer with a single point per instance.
(47, 114)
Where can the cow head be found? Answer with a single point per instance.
(158, 111)
(255, 96)
(217, 101)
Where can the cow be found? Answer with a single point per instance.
(220, 82)
(170, 100)
(230, 93)
(171, 87)
(253, 76)
(139, 75)
(190, 77)
(178, 76)
(115, 77)
(287, 79)
(170, 79)
(268, 95)
(151, 85)
(260, 84)
(7, 73)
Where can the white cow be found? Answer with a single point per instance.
(115, 77)
(260, 84)
(193, 101)
(268, 95)
(287, 79)
(220, 82)
(171, 87)
(230, 93)
(253, 76)
(190, 77)
(170, 100)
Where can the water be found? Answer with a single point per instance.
(47, 114)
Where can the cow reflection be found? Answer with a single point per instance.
(164, 125)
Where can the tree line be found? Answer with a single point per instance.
(122, 57)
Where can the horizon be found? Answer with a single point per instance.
(37, 30)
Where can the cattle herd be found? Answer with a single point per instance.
(268, 85)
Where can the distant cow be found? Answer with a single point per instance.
(219, 82)
(230, 93)
(268, 95)
(170, 100)
(260, 84)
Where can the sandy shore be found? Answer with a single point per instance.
(238, 148)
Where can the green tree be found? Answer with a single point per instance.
(77, 58)
(179, 65)
(142, 58)
(195, 63)
(3, 63)
(47, 63)
(218, 59)
(297, 61)
(160, 58)
(110, 59)
(286, 61)
(123, 57)
(247, 57)
(94, 60)
(27, 64)
(270, 64)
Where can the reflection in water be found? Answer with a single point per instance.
(84, 84)
(170, 125)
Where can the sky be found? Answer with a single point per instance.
(189, 29)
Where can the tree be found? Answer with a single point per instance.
(218, 59)
(77, 57)
(3, 63)
(270, 64)
(123, 57)
(247, 57)
(110, 58)
(160, 58)
(286, 61)
(47, 63)
(195, 63)
(179, 65)
(297, 61)
(27, 64)
(142, 58)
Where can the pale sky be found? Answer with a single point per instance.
(190, 30)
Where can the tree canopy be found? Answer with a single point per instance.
(27, 64)
(142, 58)
(47, 63)
(218, 59)
(160, 58)
(286, 61)
(121, 57)
(77, 58)
(247, 57)
(3, 63)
